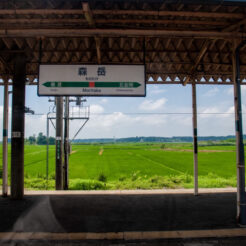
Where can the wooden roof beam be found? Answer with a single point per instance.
(88, 14)
(5, 64)
(15, 11)
(234, 27)
(40, 21)
(91, 22)
(197, 61)
(81, 32)
(7, 43)
(200, 14)
(98, 44)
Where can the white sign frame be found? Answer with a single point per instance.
(96, 80)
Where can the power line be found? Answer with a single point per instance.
(166, 113)
(160, 113)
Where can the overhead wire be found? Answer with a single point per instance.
(158, 113)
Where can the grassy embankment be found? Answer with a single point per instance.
(134, 166)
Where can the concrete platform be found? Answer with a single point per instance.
(120, 216)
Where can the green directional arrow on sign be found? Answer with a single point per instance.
(69, 84)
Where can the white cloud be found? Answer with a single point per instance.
(104, 100)
(230, 91)
(119, 119)
(35, 124)
(243, 89)
(149, 105)
(96, 109)
(208, 112)
(231, 110)
(210, 93)
(155, 90)
(111, 120)
(217, 112)
(182, 120)
(150, 120)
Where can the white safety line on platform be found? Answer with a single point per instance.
(136, 235)
(130, 192)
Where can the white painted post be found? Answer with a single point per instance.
(195, 146)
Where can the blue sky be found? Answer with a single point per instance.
(121, 116)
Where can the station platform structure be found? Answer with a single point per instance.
(121, 217)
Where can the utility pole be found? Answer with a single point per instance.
(66, 143)
(62, 171)
(5, 139)
(59, 138)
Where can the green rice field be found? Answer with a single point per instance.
(133, 166)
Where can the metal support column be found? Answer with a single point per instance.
(59, 141)
(195, 146)
(66, 144)
(18, 126)
(5, 139)
(241, 199)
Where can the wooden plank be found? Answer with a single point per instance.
(5, 64)
(98, 44)
(121, 12)
(198, 59)
(88, 13)
(41, 21)
(41, 12)
(37, 32)
(126, 236)
(233, 27)
(91, 22)
(170, 13)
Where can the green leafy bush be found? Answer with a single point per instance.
(81, 184)
(102, 177)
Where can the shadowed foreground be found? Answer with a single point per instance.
(118, 213)
(114, 213)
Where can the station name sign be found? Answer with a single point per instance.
(91, 80)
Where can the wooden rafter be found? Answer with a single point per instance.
(15, 11)
(199, 14)
(91, 22)
(64, 21)
(5, 64)
(197, 61)
(170, 13)
(233, 27)
(88, 14)
(114, 33)
(98, 44)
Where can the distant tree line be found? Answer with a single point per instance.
(41, 139)
(177, 139)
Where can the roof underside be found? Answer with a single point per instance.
(179, 41)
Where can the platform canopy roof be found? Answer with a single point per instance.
(179, 41)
